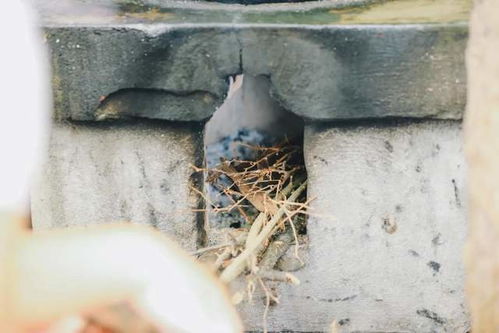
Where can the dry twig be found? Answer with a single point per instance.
(269, 194)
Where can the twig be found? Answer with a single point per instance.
(262, 217)
(267, 305)
(227, 253)
(210, 248)
(221, 258)
(241, 211)
(295, 234)
(259, 199)
(276, 250)
(239, 263)
(255, 229)
(274, 275)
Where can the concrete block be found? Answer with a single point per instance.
(386, 244)
(103, 173)
(320, 70)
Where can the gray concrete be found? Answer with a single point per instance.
(138, 173)
(322, 72)
(386, 241)
(385, 252)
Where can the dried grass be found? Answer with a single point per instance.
(270, 194)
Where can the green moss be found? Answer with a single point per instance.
(407, 12)
(386, 12)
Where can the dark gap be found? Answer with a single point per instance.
(383, 122)
(248, 118)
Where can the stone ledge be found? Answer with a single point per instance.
(319, 72)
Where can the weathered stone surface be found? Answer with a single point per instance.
(391, 258)
(170, 75)
(318, 72)
(359, 72)
(104, 173)
(385, 252)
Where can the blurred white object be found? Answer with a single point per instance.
(60, 273)
(47, 276)
(119, 262)
(24, 103)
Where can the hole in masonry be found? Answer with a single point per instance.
(255, 191)
(253, 148)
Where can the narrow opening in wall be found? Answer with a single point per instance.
(255, 173)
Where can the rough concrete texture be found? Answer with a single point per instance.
(319, 72)
(386, 245)
(182, 78)
(104, 173)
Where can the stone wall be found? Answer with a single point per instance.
(386, 233)
(138, 172)
(382, 105)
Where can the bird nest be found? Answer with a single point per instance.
(269, 192)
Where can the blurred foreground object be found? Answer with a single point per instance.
(69, 276)
(47, 276)
(482, 148)
(25, 91)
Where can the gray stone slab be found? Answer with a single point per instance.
(362, 72)
(139, 173)
(386, 244)
(179, 70)
(171, 75)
